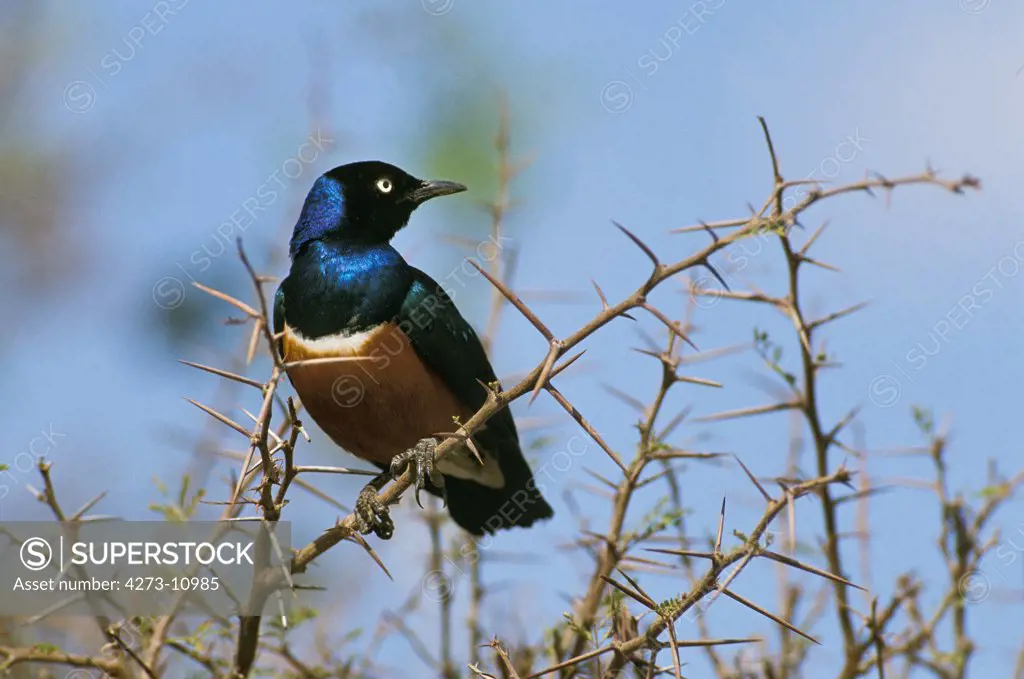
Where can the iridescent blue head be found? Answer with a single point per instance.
(366, 202)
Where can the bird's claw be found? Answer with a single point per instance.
(372, 515)
(420, 461)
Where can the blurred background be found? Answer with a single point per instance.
(139, 140)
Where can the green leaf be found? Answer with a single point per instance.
(923, 419)
(989, 492)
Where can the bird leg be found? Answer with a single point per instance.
(371, 514)
(419, 460)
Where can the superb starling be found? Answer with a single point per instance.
(420, 365)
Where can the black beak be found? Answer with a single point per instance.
(432, 189)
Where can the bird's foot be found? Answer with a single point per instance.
(372, 515)
(420, 461)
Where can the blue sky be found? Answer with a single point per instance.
(645, 115)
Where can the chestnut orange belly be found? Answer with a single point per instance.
(375, 407)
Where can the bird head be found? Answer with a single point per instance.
(365, 202)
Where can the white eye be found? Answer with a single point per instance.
(384, 185)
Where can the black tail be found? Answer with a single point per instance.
(480, 509)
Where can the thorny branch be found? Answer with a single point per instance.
(770, 218)
(587, 643)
